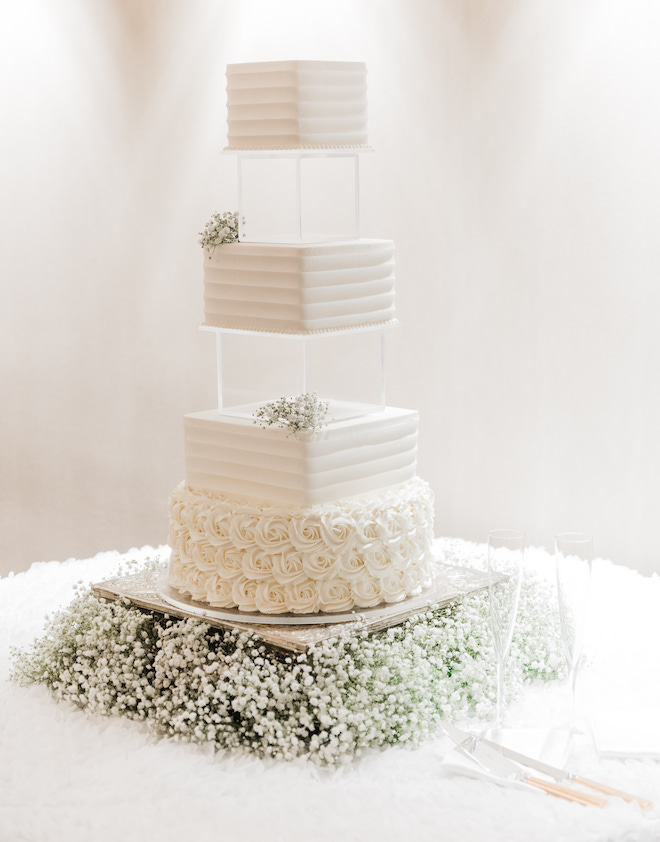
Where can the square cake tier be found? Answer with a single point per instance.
(299, 288)
(360, 451)
(297, 105)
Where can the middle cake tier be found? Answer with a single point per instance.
(299, 288)
(361, 449)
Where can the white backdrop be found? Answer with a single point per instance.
(516, 167)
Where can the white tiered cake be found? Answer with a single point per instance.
(268, 520)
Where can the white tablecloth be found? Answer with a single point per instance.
(65, 775)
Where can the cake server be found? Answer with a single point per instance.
(494, 762)
(563, 775)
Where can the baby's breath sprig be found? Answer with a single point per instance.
(221, 228)
(303, 412)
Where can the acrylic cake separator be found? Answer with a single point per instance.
(298, 155)
(148, 590)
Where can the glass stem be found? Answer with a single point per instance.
(573, 683)
(500, 693)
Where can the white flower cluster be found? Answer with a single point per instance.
(303, 412)
(221, 228)
(193, 683)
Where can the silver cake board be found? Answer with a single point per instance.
(147, 590)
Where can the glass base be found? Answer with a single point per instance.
(550, 745)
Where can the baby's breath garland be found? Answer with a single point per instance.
(190, 682)
(302, 412)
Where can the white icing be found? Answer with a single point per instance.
(204, 556)
(366, 592)
(288, 568)
(271, 598)
(299, 288)
(257, 564)
(231, 454)
(351, 566)
(219, 591)
(302, 597)
(244, 592)
(302, 559)
(320, 564)
(377, 560)
(248, 327)
(335, 595)
(229, 562)
(297, 104)
(392, 586)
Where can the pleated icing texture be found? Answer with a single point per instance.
(354, 456)
(299, 288)
(297, 105)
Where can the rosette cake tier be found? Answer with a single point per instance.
(358, 551)
(268, 519)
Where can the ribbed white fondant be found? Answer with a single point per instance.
(297, 105)
(234, 455)
(299, 288)
(370, 549)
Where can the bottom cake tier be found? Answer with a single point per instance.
(356, 552)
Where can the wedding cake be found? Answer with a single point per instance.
(300, 517)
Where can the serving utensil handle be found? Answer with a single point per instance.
(566, 792)
(609, 790)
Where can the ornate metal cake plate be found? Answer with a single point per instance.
(295, 633)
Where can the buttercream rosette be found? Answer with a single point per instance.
(355, 553)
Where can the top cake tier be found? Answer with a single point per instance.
(297, 105)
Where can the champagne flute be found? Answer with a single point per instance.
(573, 557)
(505, 568)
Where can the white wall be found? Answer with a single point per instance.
(517, 168)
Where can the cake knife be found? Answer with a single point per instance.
(562, 775)
(494, 762)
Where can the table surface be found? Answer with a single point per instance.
(65, 775)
